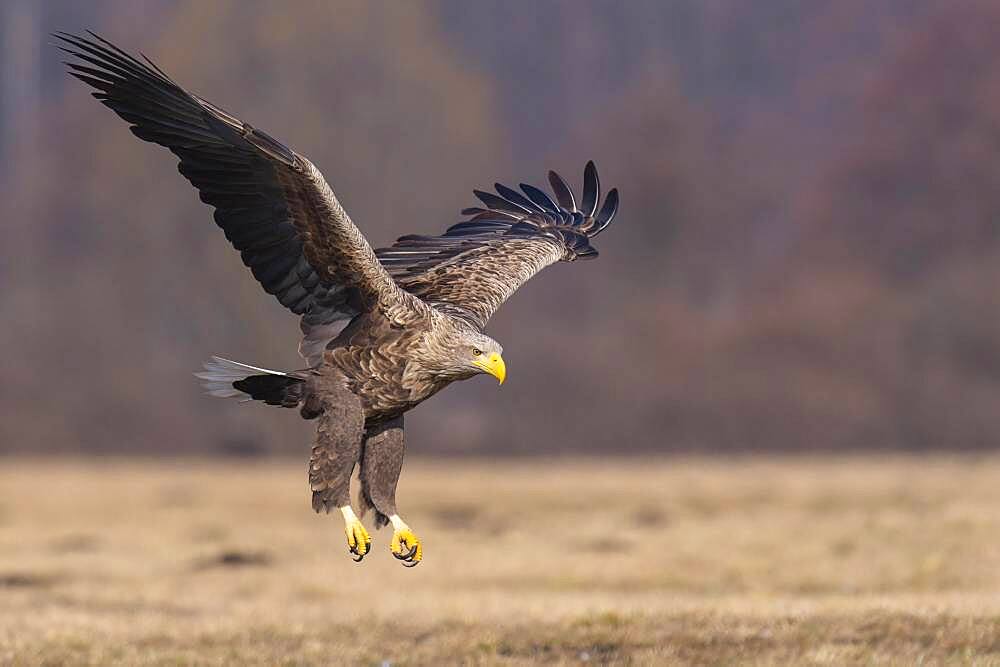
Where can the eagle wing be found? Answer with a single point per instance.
(471, 269)
(274, 206)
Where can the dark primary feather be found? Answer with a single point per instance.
(540, 198)
(477, 264)
(516, 197)
(606, 214)
(273, 205)
(591, 190)
(497, 203)
(563, 192)
(241, 185)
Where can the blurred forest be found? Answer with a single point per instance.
(806, 257)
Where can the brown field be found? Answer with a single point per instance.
(771, 562)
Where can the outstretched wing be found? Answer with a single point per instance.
(473, 267)
(273, 205)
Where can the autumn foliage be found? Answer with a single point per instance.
(807, 254)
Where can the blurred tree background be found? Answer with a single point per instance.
(806, 256)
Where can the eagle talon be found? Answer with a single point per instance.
(406, 547)
(359, 553)
(359, 542)
(408, 555)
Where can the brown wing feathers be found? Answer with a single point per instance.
(476, 265)
(273, 205)
(221, 161)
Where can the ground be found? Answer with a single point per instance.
(678, 561)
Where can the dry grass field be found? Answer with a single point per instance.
(686, 561)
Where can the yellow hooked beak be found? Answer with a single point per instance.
(493, 365)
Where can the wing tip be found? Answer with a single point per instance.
(591, 189)
(564, 193)
(607, 213)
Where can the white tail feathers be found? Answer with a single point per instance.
(220, 374)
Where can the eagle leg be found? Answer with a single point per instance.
(335, 452)
(381, 463)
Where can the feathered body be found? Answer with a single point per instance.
(383, 330)
(385, 364)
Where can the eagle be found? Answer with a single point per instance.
(382, 329)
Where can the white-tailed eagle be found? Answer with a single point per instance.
(383, 330)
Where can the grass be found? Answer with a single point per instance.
(688, 561)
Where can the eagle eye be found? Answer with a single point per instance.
(476, 352)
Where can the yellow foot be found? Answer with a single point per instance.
(359, 542)
(406, 547)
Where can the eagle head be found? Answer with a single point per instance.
(483, 355)
(463, 353)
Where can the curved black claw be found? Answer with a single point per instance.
(408, 555)
(405, 547)
(359, 555)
